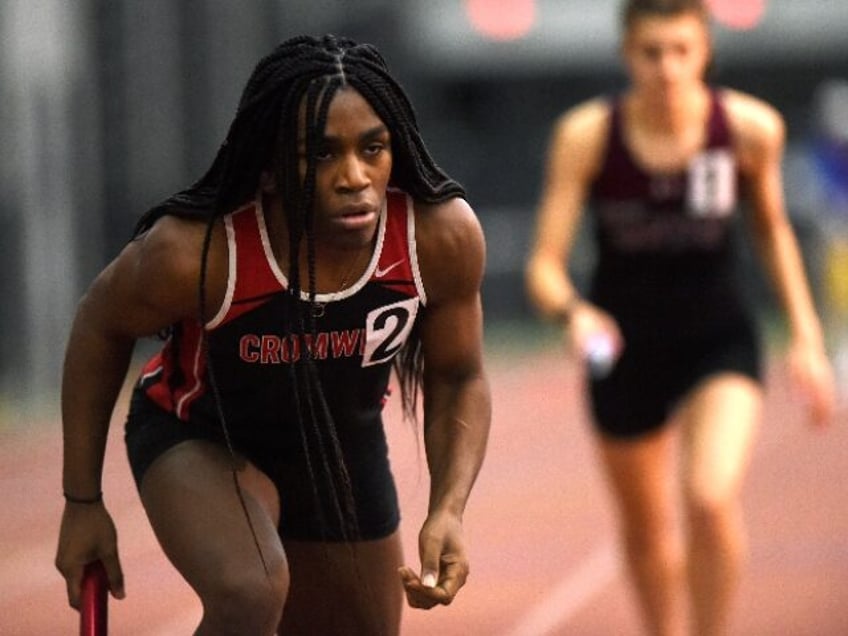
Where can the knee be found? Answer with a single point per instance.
(714, 519)
(247, 602)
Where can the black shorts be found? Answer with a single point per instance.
(305, 515)
(654, 374)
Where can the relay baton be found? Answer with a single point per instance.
(94, 601)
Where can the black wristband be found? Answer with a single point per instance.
(83, 500)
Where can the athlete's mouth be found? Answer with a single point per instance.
(359, 209)
(356, 216)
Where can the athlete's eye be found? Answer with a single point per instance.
(375, 148)
(652, 53)
(323, 153)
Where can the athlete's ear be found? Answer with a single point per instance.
(268, 182)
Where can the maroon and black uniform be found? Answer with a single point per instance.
(357, 333)
(666, 271)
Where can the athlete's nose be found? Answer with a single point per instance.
(669, 66)
(353, 174)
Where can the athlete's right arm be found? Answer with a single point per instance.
(576, 151)
(573, 158)
(151, 284)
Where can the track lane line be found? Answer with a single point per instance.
(571, 594)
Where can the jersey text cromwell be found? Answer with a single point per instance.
(274, 349)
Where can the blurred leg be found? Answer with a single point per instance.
(344, 589)
(193, 506)
(719, 422)
(641, 477)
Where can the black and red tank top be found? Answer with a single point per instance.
(358, 332)
(665, 238)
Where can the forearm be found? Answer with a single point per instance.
(550, 288)
(786, 269)
(456, 431)
(94, 371)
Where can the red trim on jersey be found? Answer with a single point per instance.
(191, 362)
(254, 279)
(394, 268)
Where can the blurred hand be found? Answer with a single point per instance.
(589, 322)
(812, 374)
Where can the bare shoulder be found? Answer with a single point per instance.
(746, 110)
(757, 126)
(156, 277)
(587, 118)
(451, 248)
(580, 134)
(585, 124)
(172, 249)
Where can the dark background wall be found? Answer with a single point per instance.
(114, 104)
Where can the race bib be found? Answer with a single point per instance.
(386, 329)
(711, 187)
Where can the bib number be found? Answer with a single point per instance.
(386, 329)
(711, 190)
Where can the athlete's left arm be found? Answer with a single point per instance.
(760, 137)
(457, 403)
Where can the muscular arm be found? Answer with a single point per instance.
(457, 404)
(456, 394)
(150, 285)
(760, 135)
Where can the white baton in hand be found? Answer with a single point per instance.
(600, 355)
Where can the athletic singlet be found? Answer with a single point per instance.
(357, 336)
(665, 244)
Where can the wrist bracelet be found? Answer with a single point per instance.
(83, 500)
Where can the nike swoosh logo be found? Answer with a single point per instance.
(379, 273)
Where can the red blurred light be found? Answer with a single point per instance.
(741, 15)
(501, 20)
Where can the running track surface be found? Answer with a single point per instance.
(539, 524)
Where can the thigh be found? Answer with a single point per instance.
(195, 509)
(344, 588)
(640, 472)
(719, 420)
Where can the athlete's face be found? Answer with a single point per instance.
(354, 163)
(667, 55)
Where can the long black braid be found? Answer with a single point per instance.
(263, 138)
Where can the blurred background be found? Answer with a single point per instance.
(108, 106)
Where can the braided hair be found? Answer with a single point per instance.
(306, 72)
(263, 135)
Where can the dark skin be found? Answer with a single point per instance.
(153, 283)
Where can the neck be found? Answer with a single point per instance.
(335, 267)
(670, 114)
